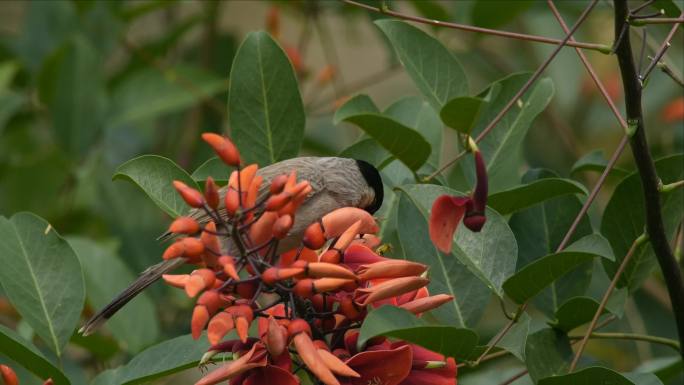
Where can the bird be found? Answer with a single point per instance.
(336, 182)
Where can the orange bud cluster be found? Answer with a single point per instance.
(305, 300)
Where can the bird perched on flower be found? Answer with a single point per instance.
(333, 183)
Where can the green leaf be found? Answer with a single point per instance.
(487, 256)
(358, 105)
(601, 376)
(548, 353)
(462, 113)
(264, 105)
(24, 353)
(516, 339)
(539, 230)
(526, 195)
(168, 357)
(623, 221)
(496, 13)
(10, 103)
(106, 276)
(431, 9)
(594, 161)
(533, 278)
(434, 70)
(215, 168)
(414, 112)
(404, 143)
(395, 322)
(155, 175)
(150, 93)
(578, 311)
(368, 150)
(72, 87)
(42, 277)
(665, 368)
(502, 147)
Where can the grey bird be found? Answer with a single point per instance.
(336, 183)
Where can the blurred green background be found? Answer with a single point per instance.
(88, 85)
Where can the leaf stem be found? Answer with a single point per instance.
(659, 54)
(656, 20)
(463, 27)
(632, 336)
(604, 301)
(655, 227)
(666, 188)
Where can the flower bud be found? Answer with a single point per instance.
(224, 148)
(191, 196)
(314, 236)
(388, 289)
(278, 184)
(422, 305)
(8, 375)
(392, 268)
(176, 280)
(199, 280)
(211, 193)
(184, 225)
(282, 226)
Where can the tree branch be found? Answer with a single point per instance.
(647, 172)
(634, 337)
(463, 27)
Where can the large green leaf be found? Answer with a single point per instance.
(496, 13)
(501, 148)
(168, 357)
(24, 353)
(434, 70)
(577, 311)
(403, 142)
(623, 221)
(155, 175)
(461, 113)
(150, 93)
(596, 162)
(600, 375)
(547, 353)
(414, 112)
(667, 369)
(135, 326)
(539, 230)
(395, 322)
(369, 150)
(72, 86)
(42, 277)
(526, 195)
(515, 340)
(265, 108)
(533, 278)
(489, 255)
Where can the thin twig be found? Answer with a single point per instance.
(513, 35)
(515, 377)
(669, 72)
(535, 76)
(657, 20)
(655, 227)
(632, 336)
(659, 54)
(616, 154)
(641, 239)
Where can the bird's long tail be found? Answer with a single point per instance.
(148, 277)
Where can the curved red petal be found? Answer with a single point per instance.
(447, 211)
(387, 367)
(271, 375)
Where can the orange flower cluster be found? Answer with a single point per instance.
(309, 302)
(9, 377)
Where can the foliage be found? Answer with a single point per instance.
(97, 119)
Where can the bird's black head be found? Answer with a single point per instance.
(372, 177)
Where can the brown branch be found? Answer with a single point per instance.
(641, 239)
(523, 89)
(659, 54)
(463, 27)
(647, 172)
(657, 20)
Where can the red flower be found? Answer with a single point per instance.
(428, 367)
(447, 211)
